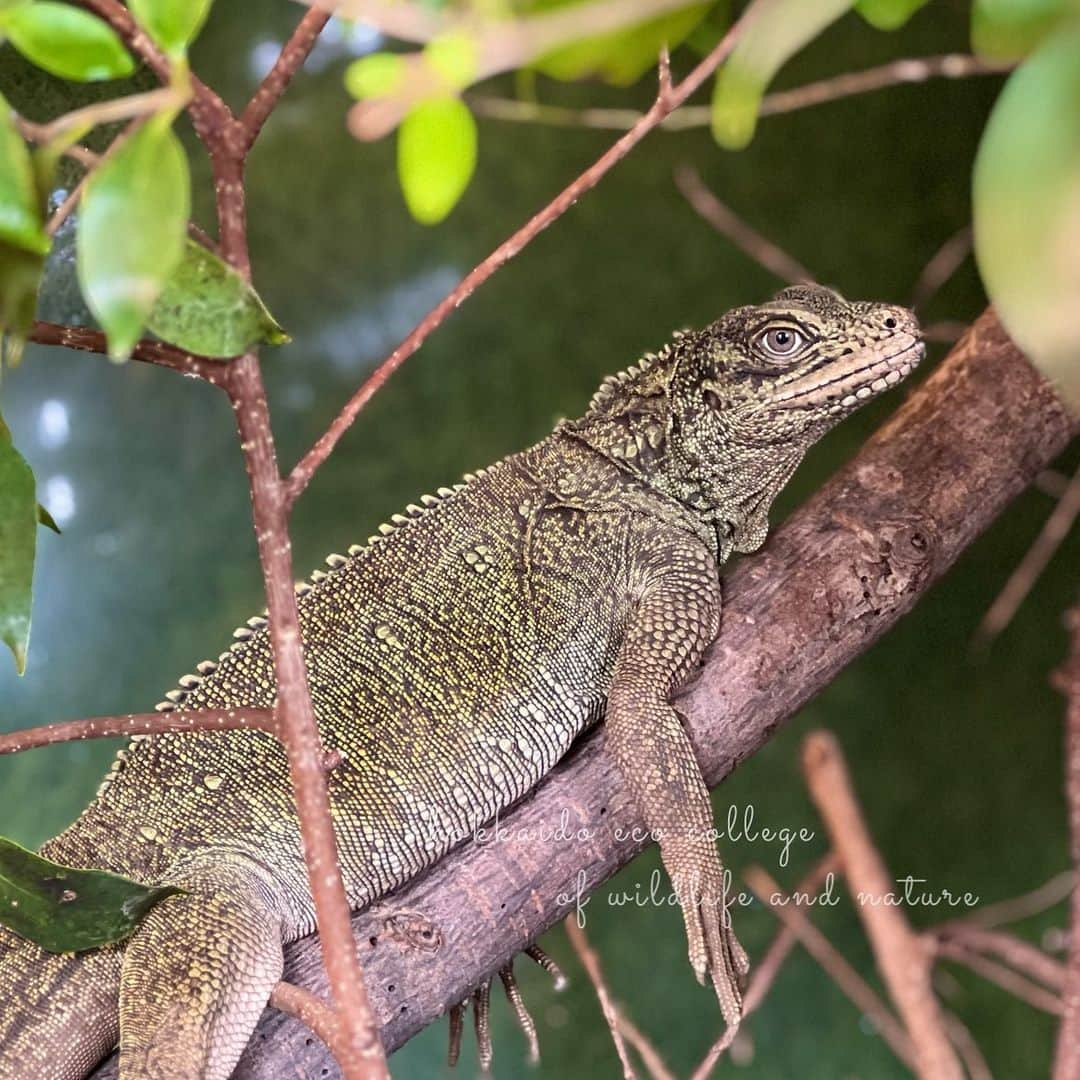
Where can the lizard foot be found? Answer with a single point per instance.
(714, 951)
(482, 1011)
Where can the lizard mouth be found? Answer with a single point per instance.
(842, 384)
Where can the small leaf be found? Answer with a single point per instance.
(779, 29)
(436, 156)
(454, 56)
(377, 75)
(63, 909)
(67, 41)
(173, 24)
(131, 232)
(1008, 30)
(20, 279)
(1026, 202)
(888, 14)
(18, 534)
(207, 308)
(20, 203)
(46, 519)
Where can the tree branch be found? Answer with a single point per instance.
(839, 573)
(277, 80)
(84, 339)
(154, 723)
(898, 72)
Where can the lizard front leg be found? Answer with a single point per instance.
(672, 624)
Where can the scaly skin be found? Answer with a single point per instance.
(452, 662)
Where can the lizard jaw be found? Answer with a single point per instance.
(842, 385)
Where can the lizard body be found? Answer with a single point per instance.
(452, 662)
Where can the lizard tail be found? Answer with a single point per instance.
(58, 1014)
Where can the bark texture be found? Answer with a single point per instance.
(841, 571)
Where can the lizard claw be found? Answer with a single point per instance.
(482, 1012)
(713, 949)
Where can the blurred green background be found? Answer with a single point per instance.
(956, 755)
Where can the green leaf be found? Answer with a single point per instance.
(888, 14)
(779, 30)
(67, 41)
(63, 909)
(18, 534)
(377, 75)
(621, 57)
(207, 308)
(131, 232)
(20, 203)
(454, 57)
(436, 156)
(20, 279)
(1007, 30)
(173, 24)
(1026, 203)
(46, 519)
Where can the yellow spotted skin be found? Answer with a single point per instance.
(452, 662)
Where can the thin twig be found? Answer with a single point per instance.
(651, 1058)
(154, 723)
(969, 1050)
(277, 79)
(768, 967)
(62, 212)
(941, 266)
(149, 352)
(591, 963)
(103, 112)
(1067, 1052)
(901, 955)
(1017, 953)
(30, 131)
(305, 469)
(853, 985)
(848, 84)
(1051, 892)
(1001, 976)
(1031, 566)
(728, 224)
(314, 1012)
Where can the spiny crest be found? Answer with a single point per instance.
(242, 635)
(613, 388)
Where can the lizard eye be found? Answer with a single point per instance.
(781, 342)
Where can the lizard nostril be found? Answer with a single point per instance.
(890, 323)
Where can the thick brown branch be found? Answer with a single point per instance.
(154, 723)
(149, 352)
(668, 99)
(839, 573)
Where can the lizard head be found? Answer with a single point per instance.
(721, 417)
(789, 370)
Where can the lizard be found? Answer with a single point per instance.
(452, 662)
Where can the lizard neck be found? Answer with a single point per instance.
(729, 487)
